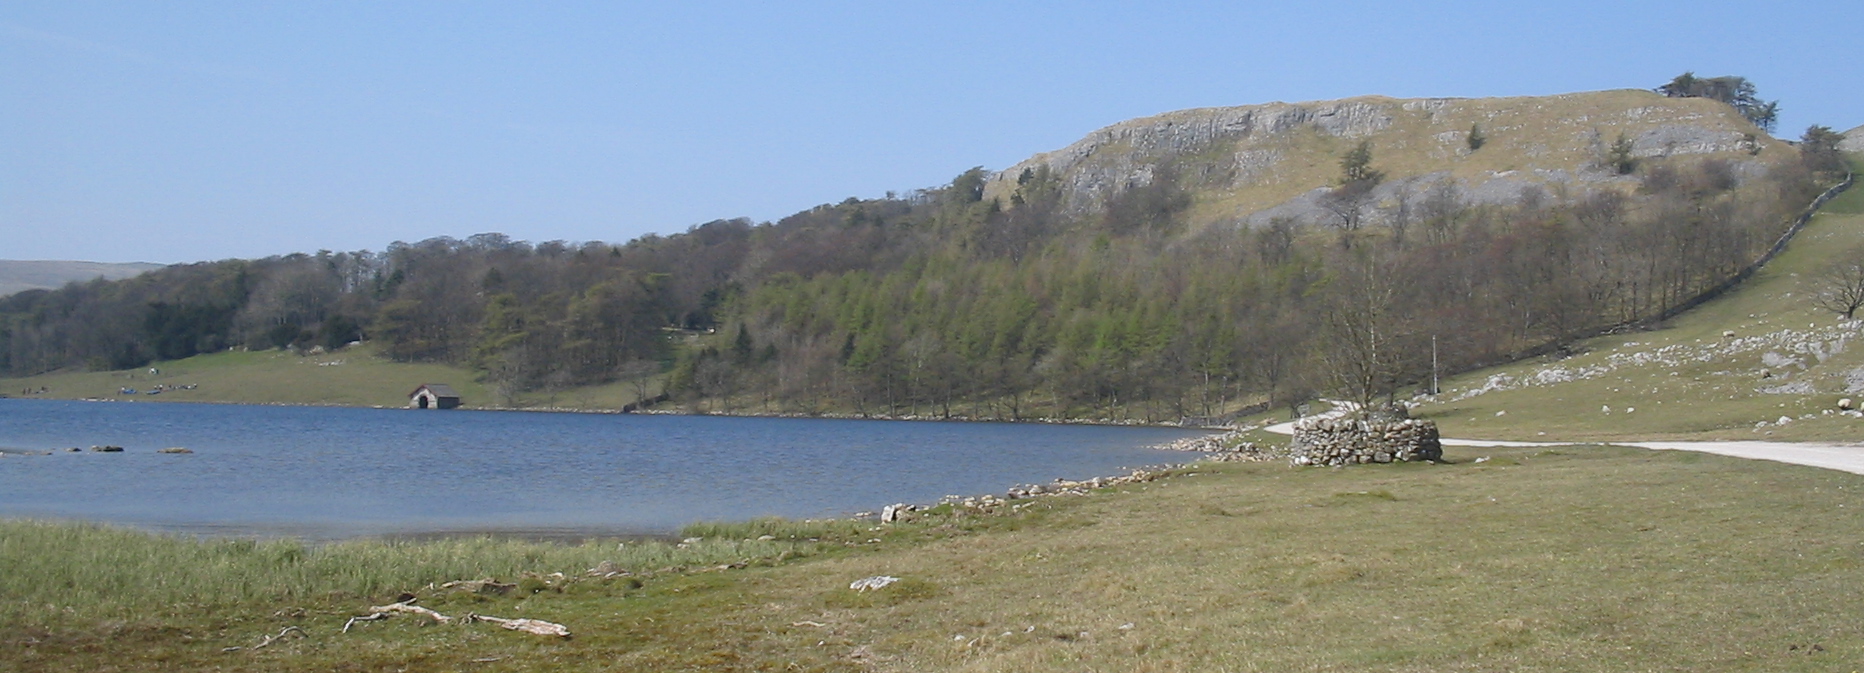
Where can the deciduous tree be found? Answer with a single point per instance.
(1839, 288)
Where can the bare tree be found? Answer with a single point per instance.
(1276, 240)
(1840, 287)
(1347, 203)
(1441, 210)
(640, 374)
(1401, 216)
(1365, 334)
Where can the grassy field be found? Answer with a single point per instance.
(1593, 559)
(1687, 380)
(354, 376)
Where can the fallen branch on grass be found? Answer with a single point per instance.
(536, 626)
(269, 639)
(365, 618)
(410, 608)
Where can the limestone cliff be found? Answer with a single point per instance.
(1246, 164)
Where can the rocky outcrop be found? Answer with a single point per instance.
(1125, 155)
(1352, 441)
(1247, 160)
(1854, 140)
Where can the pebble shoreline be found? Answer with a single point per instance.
(1216, 449)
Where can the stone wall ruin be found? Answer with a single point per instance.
(1351, 441)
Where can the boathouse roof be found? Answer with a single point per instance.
(438, 389)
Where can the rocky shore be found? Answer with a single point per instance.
(1217, 448)
(1226, 447)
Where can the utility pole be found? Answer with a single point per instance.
(1434, 389)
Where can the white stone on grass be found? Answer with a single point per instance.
(872, 583)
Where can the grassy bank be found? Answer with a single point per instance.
(103, 573)
(356, 376)
(1593, 559)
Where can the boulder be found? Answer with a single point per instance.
(892, 513)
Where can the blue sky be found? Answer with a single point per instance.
(186, 131)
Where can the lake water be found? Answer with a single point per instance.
(331, 473)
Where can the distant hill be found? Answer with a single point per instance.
(22, 275)
(1854, 140)
(1250, 163)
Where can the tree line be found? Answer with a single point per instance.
(944, 303)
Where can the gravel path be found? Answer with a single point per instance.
(1843, 457)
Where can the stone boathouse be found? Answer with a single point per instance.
(433, 396)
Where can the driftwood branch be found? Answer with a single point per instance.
(536, 626)
(269, 639)
(410, 608)
(374, 616)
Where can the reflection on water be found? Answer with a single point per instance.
(325, 473)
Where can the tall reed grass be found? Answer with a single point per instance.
(100, 572)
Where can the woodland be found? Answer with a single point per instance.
(943, 303)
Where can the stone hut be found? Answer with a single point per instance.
(1350, 440)
(433, 396)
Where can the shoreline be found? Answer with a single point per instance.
(1045, 420)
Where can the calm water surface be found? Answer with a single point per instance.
(327, 473)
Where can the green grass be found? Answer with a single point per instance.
(354, 376)
(97, 573)
(1693, 383)
(1581, 559)
(778, 528)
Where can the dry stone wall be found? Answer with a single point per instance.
(1351, 441)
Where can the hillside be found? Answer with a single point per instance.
(1762, 362)
(1251, 163)
(1854, 140)
(22, 275)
